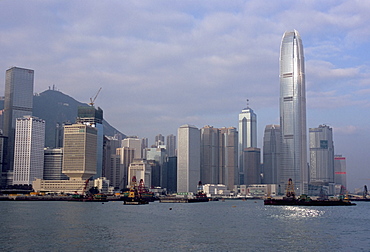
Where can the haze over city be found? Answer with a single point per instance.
(164, 64)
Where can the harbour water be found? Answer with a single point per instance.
(233, 225)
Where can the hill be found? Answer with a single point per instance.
(55, 107)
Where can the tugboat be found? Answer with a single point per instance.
(137, 195)
(304, 200)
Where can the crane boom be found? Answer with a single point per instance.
(92, 100)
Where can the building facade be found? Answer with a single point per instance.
(252, 166)
(247, 133)
(28, 150)
(18, 102)
(321, 155)
(93, 117)
(271, 154)
(188, 161)
(293, 113)
(79, 157)
(171, 145)
(135, 144)
(53, 164)
(340, 170)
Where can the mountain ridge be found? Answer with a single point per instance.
(56, 107)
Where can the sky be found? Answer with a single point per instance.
(163, 64)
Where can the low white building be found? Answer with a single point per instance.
(216, 190)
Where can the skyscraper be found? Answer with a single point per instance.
(93, 117)
(29, 150)
(79, 157)
(321, 155)
(252, 166)
(340, 173)
(188, 161)
(210, 155)
(18, 103)
(271, 154)
(247, 133)
(229, 174)
(134, 143)
(53, 164)
(293, 113)
(171, 145)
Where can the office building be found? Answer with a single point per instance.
(53, 164)
(122, 178)
(159, 140)
(135, 144)
(93, 117)
(18, 102)
(340, 171)
(156, 157)
(5, 177)
(247, 132)
(321, 155)
(79, 157)
(188, 160)
(29, 150)
(252, 166)
(171, 145)
(111, 161)
(271, 154)
(141, 169)
(293, 113)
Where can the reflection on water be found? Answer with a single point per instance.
(298, 212)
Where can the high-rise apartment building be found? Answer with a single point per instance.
(321, 155)
(171, 145)
(271, 154)
(188, 160)
(229, 173)
(210, 155)
(247, 132)
(219, 156)
(79, 157)
(29, 150)
(293, 113)
(93, 117)
(18, 102)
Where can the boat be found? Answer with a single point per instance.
(137, 195)
(304, 200)
(200, 196)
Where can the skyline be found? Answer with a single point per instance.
(164, 65)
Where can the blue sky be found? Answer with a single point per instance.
(162, 64)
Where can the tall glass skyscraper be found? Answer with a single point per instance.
(321, 155)
(293, 113)
(247, 135)
(18, 102)
(271, 154)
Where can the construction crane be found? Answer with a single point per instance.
(92, 100)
